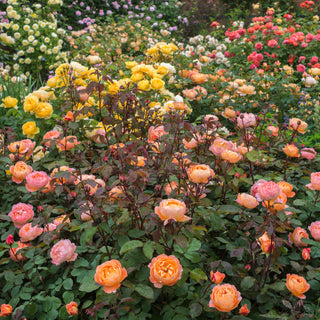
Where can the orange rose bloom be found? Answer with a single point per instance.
(139, 162)
(278, 204)
(297, 285)
(165, 270)
(217, 277)
(265, 243)
(297, 124)
(20, 171)
(198, 77)
(225, 297)
(286, 188)
(297, 235)
(67, 143)
(172, 209)
(291, 151)
(306, 254)
(72, 308)
(244, 311)
(14, 255)
(246, 200)
(6, 310)
(231, 156)
(229, 113)
(200, 173)
(109, 275)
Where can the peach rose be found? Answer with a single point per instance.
(72, 308)
(61, 219)
(190, 144)
(140, 161)
(6, 310)
(14, 255)
(315, 181)
(291, 151)
(165, 270)
(220, 145)
(115, 193)
(200, 173)
(61, 180)
(170, 187)
(278, 204)
(154, 133)
(63, 251)
(224, 297)
(297, 285)
(198, 77)
(286, 188)
(306, 253)
(20, 214)
(190, 94)
(268, 191)
(308, 153)
(83, 95)
(314, 228)
(23, 148)
(217, 277)
(231, 156)
(265, 243)
(29, 233)
(51, 136)
(244, 311)
(229, 113)
(255, 187)
(36, 180)
(246, 200)
(297, 235)
(297, 124)
(109, 275)
(274, 130)
(20, 171)
(172, 209)
(245, 120)
(67, 143)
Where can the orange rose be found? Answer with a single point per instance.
(109, 275)
(114, 193)
(306, 254)
(291, 151)
(297, 235)
(165, 270)
(225, 297)
(265, 243)
(286, 188)
(297, 124)
(200, 173)
(139, 162)
(172, 209)
(51, 135)
(14, 255)
(246, 200)
(244, 311)
(229, 113)
(198, 77)
(72, 308)
(219, 145)
(67, 143)
(29, 232)
(217, 277)
(231, 156)
(23, 148)
(297, 285)
(274, 130)
(6, 310)
(20, 171)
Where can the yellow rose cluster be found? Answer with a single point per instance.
(162, 51)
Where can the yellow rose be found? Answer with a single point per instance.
(53, 82)
(30, 129)
(9, 102)
(162, 70)
(130, 64)
(157, 84)
(30, 103)
(44, 110)
(144, 85)
(166, 49)
(152, 51)
(173, 47)
(62, 70)
(137, 76)
(113, 88)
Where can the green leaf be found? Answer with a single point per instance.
(130, 245)
(195, 310)
(247, 283)
(148, 249)
(145, 291)
(67, 284)
(88, 284)
(198, 274)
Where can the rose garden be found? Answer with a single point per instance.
(156, 167)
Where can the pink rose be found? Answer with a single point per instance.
(63, 251)
(154, 133)
(219, 145)
(21, 213)
(28, 232)
(51, 135)
(254, 188)
(36, 180)
(308, 153)
(314, 228)
(245, 120)
(268, 191)
(301, 68)
(315, 181)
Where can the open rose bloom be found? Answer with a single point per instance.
(29, 233)
(200, 173)
(63, 251)
(110, 275)
(315, 181)
(225, 297)
(20, 171)
(165, 270)
(21, 213)
(172, 209)
(36, 180)
(297, 285)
